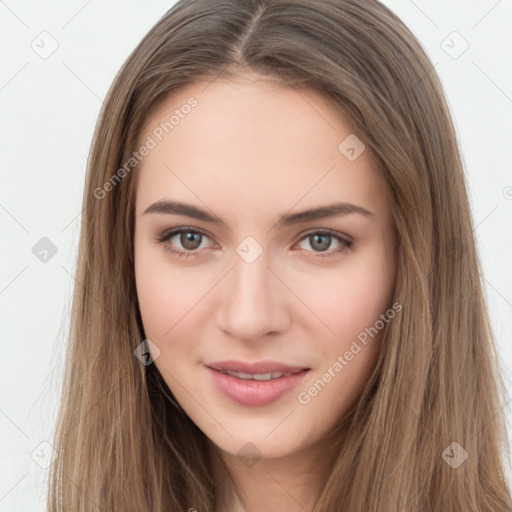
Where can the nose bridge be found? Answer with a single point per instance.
(253, 302)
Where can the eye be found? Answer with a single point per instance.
(321, 240)
(190, 239)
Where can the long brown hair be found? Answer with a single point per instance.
(436, 392)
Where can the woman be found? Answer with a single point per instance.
(278, 302)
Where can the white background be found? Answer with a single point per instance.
(48, 111)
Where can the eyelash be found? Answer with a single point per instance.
(345, 244)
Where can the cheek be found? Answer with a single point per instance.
(352, 309)
(165, 292)
(161, 293)
(353, 298)
(166, 300)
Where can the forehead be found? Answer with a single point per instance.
(252, 141)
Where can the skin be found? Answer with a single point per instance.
(251, 151)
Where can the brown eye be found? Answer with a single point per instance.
(187, 242)
(320, 241)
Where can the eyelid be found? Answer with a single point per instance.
(331, 232)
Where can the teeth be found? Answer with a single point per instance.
(256, 376)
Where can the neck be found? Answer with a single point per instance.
(292, 482)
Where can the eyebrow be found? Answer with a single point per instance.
(290, 219)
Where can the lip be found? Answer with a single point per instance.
(254, 393)
(256, 367)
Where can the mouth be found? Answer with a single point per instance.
(255, 368)
(255, 384)
(257, 376)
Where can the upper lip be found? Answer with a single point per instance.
(256, 367)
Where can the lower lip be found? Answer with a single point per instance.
(253, 392)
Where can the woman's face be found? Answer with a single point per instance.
(256, 281)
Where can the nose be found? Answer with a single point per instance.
(254, 300)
